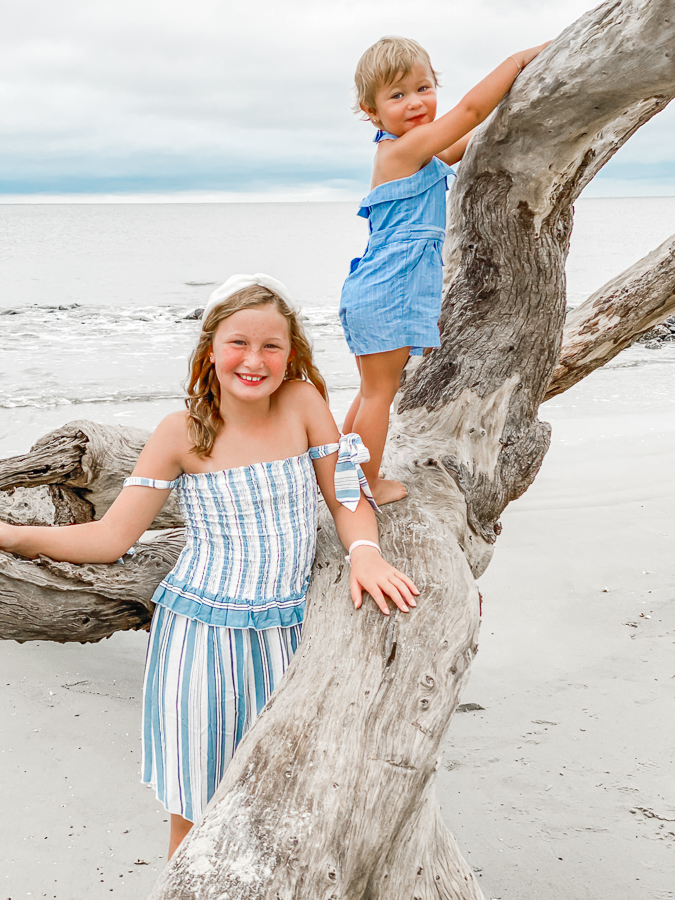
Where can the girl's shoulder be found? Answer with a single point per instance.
(175, 425)
(302, 399)
(164, 451)
(172, 434)
(296, 392)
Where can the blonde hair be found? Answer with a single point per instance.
(202, 385)
(383, 63)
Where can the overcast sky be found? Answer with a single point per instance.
(248, 98)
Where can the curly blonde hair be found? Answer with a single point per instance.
(202, 385)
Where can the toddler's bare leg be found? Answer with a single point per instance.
(179, 830)
(348, 424)
(380, 377)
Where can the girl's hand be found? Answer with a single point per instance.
(370, 572)
(526, 56)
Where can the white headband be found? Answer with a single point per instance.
(238, 282)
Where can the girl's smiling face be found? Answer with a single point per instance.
(250, 351)
(407, 102)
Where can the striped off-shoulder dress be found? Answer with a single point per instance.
(229, 614)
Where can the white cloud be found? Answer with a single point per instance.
(223, 96)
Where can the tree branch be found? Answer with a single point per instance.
(56, 601)
(91, 462)
(615, 315)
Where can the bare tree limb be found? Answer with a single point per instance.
(56, 601)
(615, 316)
(88, 460)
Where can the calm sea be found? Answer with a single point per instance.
(95, 299)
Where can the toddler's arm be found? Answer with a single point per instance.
(413, 149)
(129, 516)
(455, 152)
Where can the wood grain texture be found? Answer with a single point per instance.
(56, 601)
(615, 316)
(87, 463)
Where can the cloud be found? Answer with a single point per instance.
(223, 96)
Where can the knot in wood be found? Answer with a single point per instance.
(332, 875)
(427, 681)
(424, 703)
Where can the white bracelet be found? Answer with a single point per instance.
(348, 557)
(520, 68)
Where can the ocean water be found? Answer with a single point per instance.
(95, 300)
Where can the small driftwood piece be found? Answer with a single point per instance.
(56, 601)
(70, 476)
(615, 316)
(85, 464)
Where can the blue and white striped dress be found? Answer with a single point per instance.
(392, 295)
(229, 614)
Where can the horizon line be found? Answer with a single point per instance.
(309, 195)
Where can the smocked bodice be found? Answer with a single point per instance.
(251, 537)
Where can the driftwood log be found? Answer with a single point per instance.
(84, 465)
(69, 476)
(331, 793)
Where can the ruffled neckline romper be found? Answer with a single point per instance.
(392, 296)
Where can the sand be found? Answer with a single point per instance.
(561, 787)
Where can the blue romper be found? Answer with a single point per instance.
(392, 295)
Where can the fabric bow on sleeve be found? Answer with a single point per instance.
(349, 477)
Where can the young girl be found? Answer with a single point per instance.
(391, 299)
(243, 460)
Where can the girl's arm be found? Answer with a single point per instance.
(413, 149)
(369, 570)
(130, 515)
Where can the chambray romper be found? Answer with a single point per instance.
(228, 616)
(392, 295)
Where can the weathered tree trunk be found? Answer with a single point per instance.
(331, 794)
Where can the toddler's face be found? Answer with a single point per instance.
(407, 102)
(251, 349)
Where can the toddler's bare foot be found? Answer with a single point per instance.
(385, 490)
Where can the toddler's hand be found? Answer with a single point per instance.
(370, 572)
